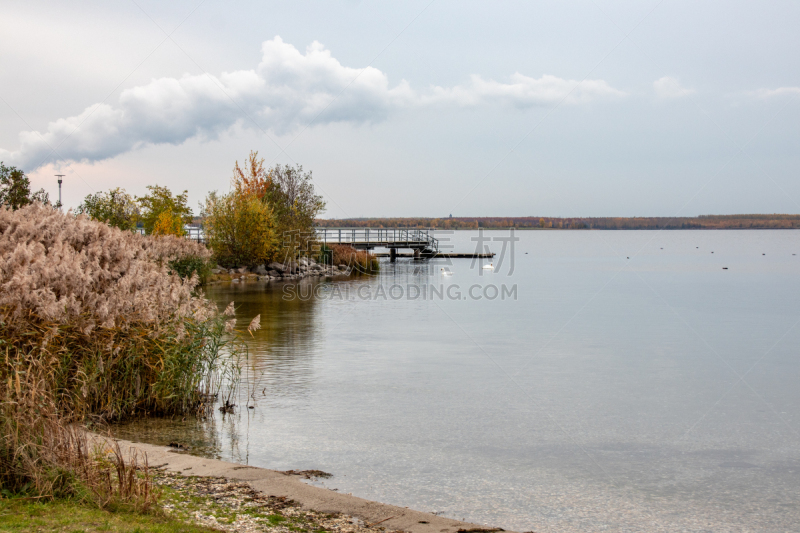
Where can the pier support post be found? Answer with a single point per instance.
(417, 253)
(392, 254)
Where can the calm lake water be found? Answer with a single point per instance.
(631, 385)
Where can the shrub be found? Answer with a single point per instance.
(190, 265)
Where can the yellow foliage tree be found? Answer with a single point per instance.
(168, 223)
(240, 229)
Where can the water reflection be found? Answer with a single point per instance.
(281, 353)
(214, 437)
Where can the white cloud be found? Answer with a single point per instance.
(780, 91)
(287, 90)
(524, 91)
(668, 88)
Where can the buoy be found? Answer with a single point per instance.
(724, 268)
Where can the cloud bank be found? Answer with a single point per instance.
(780, 91)
(669, 88)
(285, 92)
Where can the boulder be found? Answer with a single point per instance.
(303, 262)
(261, 270)
(279, 267)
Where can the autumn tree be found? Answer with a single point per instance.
(160, 200)
(240, 229)
(290, 194)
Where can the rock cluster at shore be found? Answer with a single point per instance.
(233, 506)
(304, 267)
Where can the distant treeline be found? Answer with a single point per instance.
(701, 222)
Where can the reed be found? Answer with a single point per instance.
(359, 260)
(96, 325)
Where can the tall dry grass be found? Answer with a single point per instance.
(94, 325)
(358, 260)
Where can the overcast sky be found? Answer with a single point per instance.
(414, 108)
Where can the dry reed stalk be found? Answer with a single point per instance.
(94, 325)
(358, 260)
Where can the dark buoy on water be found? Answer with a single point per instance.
(724, 268)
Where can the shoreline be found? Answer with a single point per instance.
(276, 483)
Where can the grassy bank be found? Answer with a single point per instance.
(187, 505)
(74, 516)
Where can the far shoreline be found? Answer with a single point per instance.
(742, 222)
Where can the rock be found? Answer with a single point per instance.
(303, 262)
(261, 270)
(279, 267)
(242, 270)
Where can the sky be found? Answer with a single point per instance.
(416, 108)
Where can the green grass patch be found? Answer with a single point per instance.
(72, 516)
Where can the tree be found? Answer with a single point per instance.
(115, 207)
(290, 194)
(168, 223)
(240, 229)
(253, 179)
(161, 200)
(15, 187)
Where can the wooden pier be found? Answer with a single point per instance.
(421, 242)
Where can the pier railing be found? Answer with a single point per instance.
(364, 238)
(379, 237)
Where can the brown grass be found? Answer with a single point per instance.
(93, 325)
(358, 260)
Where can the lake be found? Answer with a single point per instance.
(596, 380)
